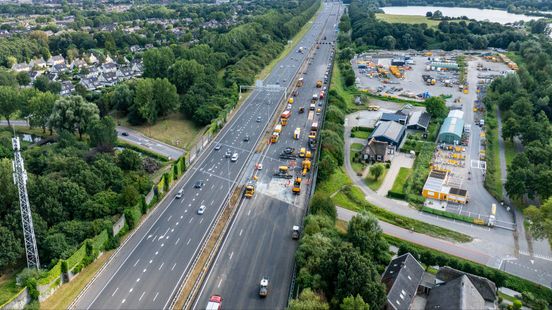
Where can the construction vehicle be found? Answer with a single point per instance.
(314, 98)
(296, 186)
(274, 138)
(302, 152)
(288, 153)
(314, 126)
(295, 232)
(321, 96)
(290, 100)
(319, 83)
(308, 154)
(215, 303)
(283, 172)
(286, 114)
(373, 108)
(283, 121)
(263, 287)
(297, 133)
(312, 135)
(249, 189)
(278, 128)
(395, 71)
(300, 82)
(306, 166)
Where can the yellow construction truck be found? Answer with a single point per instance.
(296, 186)
(319, 83)
(249, 189)
(306, 166)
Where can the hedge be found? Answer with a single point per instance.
(396, 195)
(433, 257)
(141, 150)
(455, 216)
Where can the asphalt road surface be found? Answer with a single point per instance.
(259, 243)
(147, 270)
(134, 137)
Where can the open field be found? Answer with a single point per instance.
(407, 19)
(174, 130)
(400, 181)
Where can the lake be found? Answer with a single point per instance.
(498, 16)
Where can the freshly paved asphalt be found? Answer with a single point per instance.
(259, 243)
(148, 268)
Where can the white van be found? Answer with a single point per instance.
(179, 194)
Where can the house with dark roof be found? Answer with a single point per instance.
(395, 117)
(67, 88)
(409, 287)
(390, 132)
(375, 151)
(401, 279)
(418, 120)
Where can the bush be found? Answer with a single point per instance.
(132, 217)
(396, 195)
(321, 204)
(64, 268)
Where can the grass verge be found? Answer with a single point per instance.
(374, 184)
(493, 178)
(407, 19)
(174, 130)
(8, 288)
(509, 151)
(400, 180)
(355, 148)
(360, 134)
(337, 85)
(66, 294)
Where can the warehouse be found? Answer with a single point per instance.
(390, 132)
(436, 187)
(452, 128)
(418, 120)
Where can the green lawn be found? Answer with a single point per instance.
(360, 134)
(8, 289)
(509, 151)
(402, 176)
(355, 148)
(407, 19)
(373, 183)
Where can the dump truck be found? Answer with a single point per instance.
(373, 108)
(319, 83)
(288, 153)
(274, 138)
(314, 126)
(278, 128)
(297, 133)
(263, 287)
(296, 186)
(295, 232)
(249, 189)
(302, 152)
(306, 166)
(308, 154)
(215, 303)
(283, 172)
(395, 71)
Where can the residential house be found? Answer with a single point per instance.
(78, 63)
(108, 60)
(67, 88)
(124, 73)
(375, 151)
(92, 59)
(409, 287)
(108, 78)
(108, 67)
(92, 72)
(39, 63)
(58, 68)
(149, 45)
(34, 74)
(390, 132)
(91, 83)
(21, 67)
(135, 48)
(56, 60)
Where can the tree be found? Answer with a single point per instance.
(44, 84)
(540, 219)
(73, 113)
(41, 107)
(354, 303)
(377, 170)
(436, 107)
(129, 160)
(308, 300)
(429, 14)
(157, 62)
(321, 204)
(184, 73)
(23, 78)
(55, 246)
(510, 129)
(389, 42)
(10, 248)
(364, 233)
(437, 15)
(154, 98)
(9, 102)
(121, 97)
(102, 133)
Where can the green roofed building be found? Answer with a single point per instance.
(452, 128)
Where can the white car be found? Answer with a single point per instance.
(201, 210)
(234, 157)
(179, 194)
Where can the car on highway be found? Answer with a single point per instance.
(199, 184)
(179, 193)
(201, 210)
(228, 154)
(258, 119)
(215, 303)
(318, 111)
(217, 147)
(234, 157)
(124, 133)
(246, 138)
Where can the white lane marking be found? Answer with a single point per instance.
(138, 280)
(136, 263)
(156, 252)
(123, 301)
(219, 283)
(186, 211)
(213, 186)
(163, 263)
(141, 296)
(170, 217)
(149, 236)
(114, 292)
(241, 231)
(173, 267)
(200, 220)
(143, 271)
(162, 244)
(182, 216)
(177, 223)
(189, 241)
(248, 212)
(156, 294)
(172, 230)
(189, 205)
(191, 219)
(177, 241)
(131, 289)
(212, 202)
(231, 254)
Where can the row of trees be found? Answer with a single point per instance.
(340, 270)
(510, 5)
(368, 31)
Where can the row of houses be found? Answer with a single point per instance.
(390, 131)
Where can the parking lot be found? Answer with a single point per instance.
(418, 79)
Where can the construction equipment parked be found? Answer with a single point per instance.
(263, 287)
(283, 172)
(275, 137)
(278, 128)
(319, 83)
(288, 153)
(296, 186)
(295, 232)
(302, 152)
(297, 133)
(300, 82)
(290, 100)
(306, 166)
(249, 189)
(373, 108)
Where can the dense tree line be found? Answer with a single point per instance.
(336, 270)
(510, 5)
(524, 101)
(368, 31)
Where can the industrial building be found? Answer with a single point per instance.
(452, 128)
(436, 187)
(390, 132)
(418, 120)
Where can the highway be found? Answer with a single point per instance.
(134, 137)
(147, 269)
(259, 242)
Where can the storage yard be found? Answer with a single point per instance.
(455, 183)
